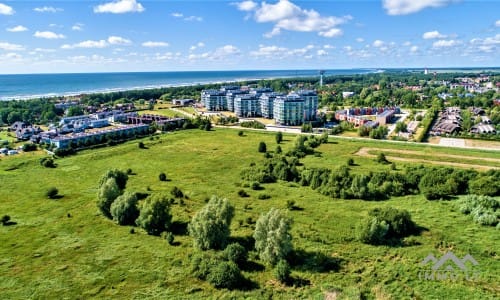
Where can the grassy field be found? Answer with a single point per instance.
(49, 254)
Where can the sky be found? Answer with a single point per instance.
(182, 35)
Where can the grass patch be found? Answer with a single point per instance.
(66, 249)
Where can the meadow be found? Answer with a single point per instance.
(65, 249)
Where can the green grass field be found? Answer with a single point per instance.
(48, 255)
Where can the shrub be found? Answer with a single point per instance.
(176, 192)
(155, 215)
(210, 226)
(29, 147)
(278, 150)
(141, 145)
(235, 253)
(373, 231)
(225, 275)
(485, 185)
(106, 194)
(5, 220)
(47, 162)
(162, 177)
(242, 193)
(240, 133)
(350, 161)
(381, 158)
(264, 197)
(124, 209)
(399, 221)
(262, 147)
(170, 238)
(256, 186)
(279, 137)
(282, 271)
(52, 193)
(202, 264)
(273, 240)
(290, 204)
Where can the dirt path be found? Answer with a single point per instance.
(365, 151)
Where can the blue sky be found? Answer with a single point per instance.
(141, 35)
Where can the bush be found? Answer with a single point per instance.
(282, 271)
(162, 177)
(381, 158)
(373, 231)
(5, 220)
(47, 162)
(262, 147)
(124, 209)
(264, 197)
(240, 133)
(210, 226)
(155, 215)
(279, 137)
(243, 194)
(225, 275)
(485, 185)
(483, 209)
(202, 264)
(176, 192)
(170, 238)
(52, 193)
(235, 253)
(141, 145)
(119, 176)
(273, 240)
(290, 204)
(29, 147)
(256, 186)
(350, 161)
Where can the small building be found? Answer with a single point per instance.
(483, 129)
(183, 102)
(412, 127)
(385, 117)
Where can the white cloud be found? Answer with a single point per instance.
(378, 43)
(87, 44)
(334, 32)
(119, 7)
(407, 44)
(246, 5)
(77, 27)
(43, 50)
(48, 35)
(445, 43)
(329, 47)
(287, 16)
(117, 40)
(221, 53)
(497, 23)
(18, 28)
(48, 9)
(321, 52)
(11, 47)
(269, 51)
(433, 35)
(198, 45)
(414, 49)
(489, 44)
(405, 7)
(151, 44)
(6, 10)
(193, 18)
(360, 40)
(177, 15)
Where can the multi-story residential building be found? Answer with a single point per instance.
(247, 105)
(267, 104)
(310, 104)
(289, 110)
(230, 95)
(214, 100)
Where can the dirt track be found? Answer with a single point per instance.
(365, 151)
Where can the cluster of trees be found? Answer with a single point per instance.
(253, 124)
(386, 226)
(484, 210)
(152, 214)
(433, 182)
(38, 111)
(210, 229)
(375, 133)
(199, 122)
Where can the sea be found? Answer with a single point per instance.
(29, 86)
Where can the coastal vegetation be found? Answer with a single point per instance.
(67, 248)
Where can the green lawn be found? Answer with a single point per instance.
(48, 255)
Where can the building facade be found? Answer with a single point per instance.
(247, 105)
(289, 110)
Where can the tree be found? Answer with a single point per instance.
(210, 226)
(106, 194)
(279, 137)
(278, 150)
(155, 214)
(273, 240)
(225, 274)
(5, 220)
(119, 176)
(262, 147)
(124, 209)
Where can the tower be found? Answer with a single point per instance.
(321, 73)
